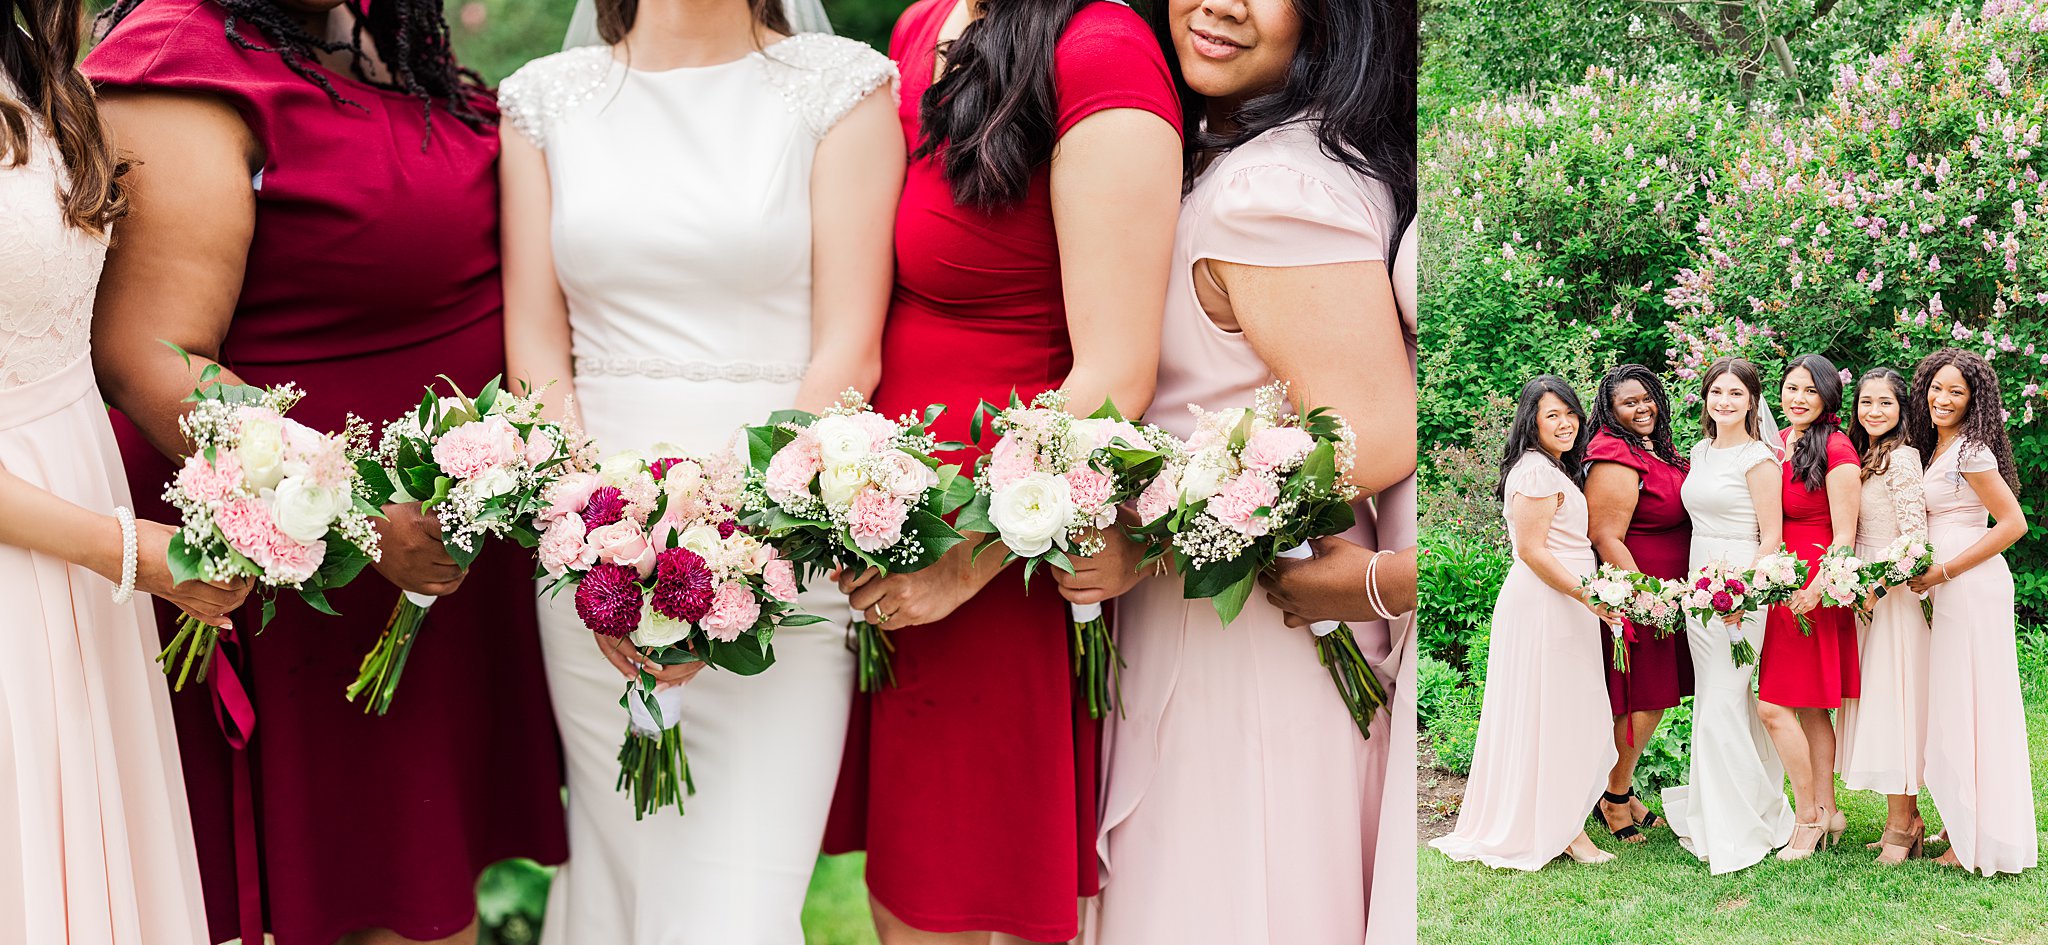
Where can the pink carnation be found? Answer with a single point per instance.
(247, 526)
(733, 612)
(211, 482)
(780, 576)
(562, 547)
(1159, 498)
(1277, 448)
(1009, 462)
(288, 562)
(880, 429)
(1237, 505)
(472, 449)
(876, 520)
(1092, 490)
(792, 469)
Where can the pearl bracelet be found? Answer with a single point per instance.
(126, 591)
(1372, 586)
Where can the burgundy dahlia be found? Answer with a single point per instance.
(1735, 586)
(1724, 602)
(1704, 582)
(605, 507)
(608, 599)
(682, 585)
(726, 528)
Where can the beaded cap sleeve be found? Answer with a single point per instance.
(824, 76)
(536, 97)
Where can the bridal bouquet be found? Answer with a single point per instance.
(266, 497)
(1775, 578)
(1047, 488)
(1717, 590)
(479, 466)
(854, 489)
(656, 555)
(1251, 486)
(1907, 557)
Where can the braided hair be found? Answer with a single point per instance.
(1809, 458)
(1983, 425)
(1604, 417)
(1876, 453)
(412, 35)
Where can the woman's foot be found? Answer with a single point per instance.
(1949, 859)
(1584, 852)
(1616, 811)
(1898, 846)
(1807, 837)
(1916, 826)
(1837, 825)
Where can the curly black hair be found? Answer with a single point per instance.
(1983, 424)
(411, 35)
(1522, 437)
(1605, 419)
(1809, 459)
(1876, 454)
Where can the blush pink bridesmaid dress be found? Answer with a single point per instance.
(1240, 805)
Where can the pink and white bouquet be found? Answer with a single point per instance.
(1716, 590)
(266, 497)
(656, 554)
(1840, 581)
(478, 466)
(1907, 557)
(1614, 588)
(1658, 604)
(1047, 488)
(853, 489)
(1775, 578)
(1250, 486)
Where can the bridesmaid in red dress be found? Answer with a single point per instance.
(1638, 522)
(1801, 677)
(972, 782)
(299, 217)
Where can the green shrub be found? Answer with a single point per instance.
(1435, 682)
(1458, 580)
(1455, 731)
(1668, 758)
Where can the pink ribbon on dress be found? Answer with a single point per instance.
(236, 715)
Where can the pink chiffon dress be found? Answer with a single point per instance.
(1546, 740)
(1240, 805)
(95, 841)
(1977, 763)
(1884, 730)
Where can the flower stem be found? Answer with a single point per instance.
(1098, 666)
(1363, 695)
(872, 651)
(655, 771)
(191, 648)
(385, 663)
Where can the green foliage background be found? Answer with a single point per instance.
(509, 33)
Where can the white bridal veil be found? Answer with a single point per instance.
(805, 16)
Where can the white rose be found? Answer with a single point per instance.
(902, 476)
(494, 482)
(702, 539)
(1031, 515)
(304, 511)
(838, 481)
(1613, 594)
(840, 440)
(1204, 476)
(657, 630)
(261, 452)
(621, 468)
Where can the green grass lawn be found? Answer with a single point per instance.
(1657, 893)
(513, 894)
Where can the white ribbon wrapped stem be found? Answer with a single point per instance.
(669, 701)
(1321, 628)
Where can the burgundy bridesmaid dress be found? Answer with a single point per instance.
(374, 268)
(972, 783)
(1793, 669)
(1659, 538)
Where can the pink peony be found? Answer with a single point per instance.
(1276, 448)
(562, 547)
(733, 612)
(472, 449)
(247, 526)
(1092, 490)
(1009, 462)
(608, 600)
(622, 542)
(682, 585)
(211, 483)
(1159, 498)
(1239, 502)
(876, 520)
(792, 469)
(780, 576)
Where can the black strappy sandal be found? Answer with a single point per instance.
(1621, 800)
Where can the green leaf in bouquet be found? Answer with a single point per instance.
(933, 535)
(801, 620)
(269, 612)
(344, 563)
(1242, 433)
(184, 560)
(488, 398)
(376, 481)
(317, 599)
(958, 491)
(747, 656)
(976, 423)
(1214, 579)
(1319, 471)
(418, 481)
(440, 493)
(1230, 603)
(674, 656)
(464, 557)
(932, 413)
(1107, 411)
(973, 516)
(1059, 559)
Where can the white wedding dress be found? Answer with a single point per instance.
(681, 231)
(1733, 813)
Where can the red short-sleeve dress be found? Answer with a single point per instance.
(1793, 669)
(972, 783)
(373, 268)
(1659, 538)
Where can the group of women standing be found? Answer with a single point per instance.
(701, 216)
(1884, 696)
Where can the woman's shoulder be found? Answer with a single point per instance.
(1536, 474)
(1605, 447)
(532, 98)
(824, 76)
(913, 19)
(1107, 58)
(172, 43)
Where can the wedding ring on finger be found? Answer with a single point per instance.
(881, 616)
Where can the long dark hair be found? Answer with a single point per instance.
(1983, 424)
(615, 17)
(37, 60)
(411, 35)
(1605, 419)
(1809, 458)
(1747, 374)
(1354, 75)
(1876, 455)
(991, 116)
(1522, 437)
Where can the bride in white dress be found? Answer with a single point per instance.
(1733, 813)
(697, 221)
